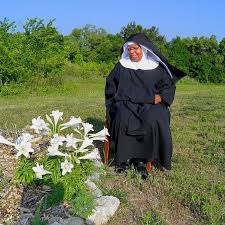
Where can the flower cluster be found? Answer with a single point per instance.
(70, 148)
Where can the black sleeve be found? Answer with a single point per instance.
(167, 89)
(111, 85)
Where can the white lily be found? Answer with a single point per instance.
(87, 128)
(25, 137)
(73, 123)
(66, 167)
(92, 155)
(56, 116)
(24, 148)
(40, 126)
(5, 141)
(53, 150)
(57, 140)
(101, 135)
(72, 141)
(87, 142)
(40, 171)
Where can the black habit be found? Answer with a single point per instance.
(138, 127)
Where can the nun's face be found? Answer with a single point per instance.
(135, 52)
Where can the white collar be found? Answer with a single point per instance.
(149, 62)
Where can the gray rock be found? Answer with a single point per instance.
(93, 188)
(106, 207)
(98, 163)
(56, 223)
(56, 219)
(73, 221)
(94, 176)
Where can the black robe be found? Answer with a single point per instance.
(138, 127)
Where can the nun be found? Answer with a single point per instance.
(138, 93)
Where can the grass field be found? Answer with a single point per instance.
(192, 193)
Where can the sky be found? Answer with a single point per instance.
(184, 18)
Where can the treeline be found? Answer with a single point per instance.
(40, 50)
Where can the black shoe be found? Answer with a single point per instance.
(141, 168)
(123, 167)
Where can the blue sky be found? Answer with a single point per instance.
(184, 18)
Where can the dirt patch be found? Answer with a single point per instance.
(10, 194)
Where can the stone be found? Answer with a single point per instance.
(95, 176)
(56, 219)
(106, 207)
(93, 188)
(56, 223)
(73, 221)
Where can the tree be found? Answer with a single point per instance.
(37, 51)
(152, 33)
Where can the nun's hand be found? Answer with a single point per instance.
(158, 99)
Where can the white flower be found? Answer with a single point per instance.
(40, 126)
(40, 171)
(66, 167)
(92, 155)
(24, 148)
(25, 137)
(73, 123)
(101, 135)
(57, 140)
(53, 150)
(56, 115)
(5, 141)
(72, 141)
(87, 142)
(87, 128)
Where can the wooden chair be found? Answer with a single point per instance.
(107, 148)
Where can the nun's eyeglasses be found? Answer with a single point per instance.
(133, 48)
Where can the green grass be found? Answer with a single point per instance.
(152, 218)
(196, 184)
(83, 98)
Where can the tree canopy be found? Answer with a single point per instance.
(41, 50)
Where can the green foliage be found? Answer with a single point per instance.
(70, 187)
(88, 70)
(201, 58)
(83, 204)
(41, 52)
(36, 220)
(37, 51)
(55, 197)
(24, 173)
(73, 182)
(93, 44)
(152, 218)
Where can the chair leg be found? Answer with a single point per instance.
(106, 150)
(148, 167)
